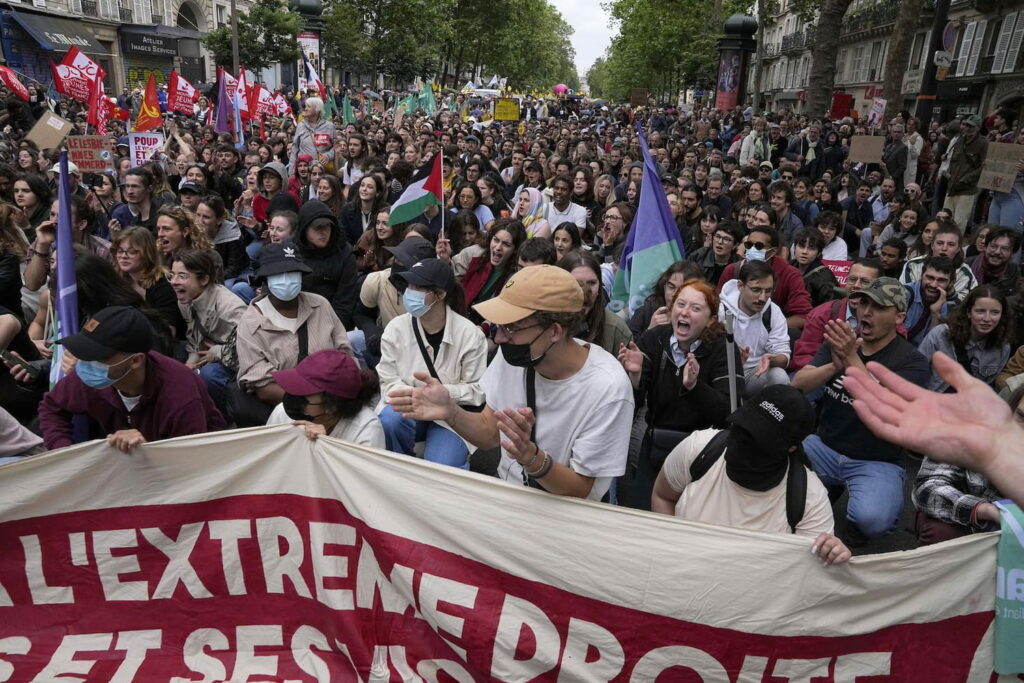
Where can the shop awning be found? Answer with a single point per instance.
(162, 30)
(59, 35)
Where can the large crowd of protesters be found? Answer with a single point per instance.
(232, 285)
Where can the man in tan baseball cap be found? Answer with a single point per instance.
(560, 408)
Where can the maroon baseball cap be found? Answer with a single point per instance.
(329, 371)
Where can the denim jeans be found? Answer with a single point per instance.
(443, 446)
(216, 377)
(1007, 208)
(876, 488)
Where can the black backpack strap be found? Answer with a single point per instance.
(303, 335)
(423, 349)
(531, 403)
(766, 317)
(796, 491)
(709, 455)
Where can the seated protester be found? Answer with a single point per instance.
(830, 225)
(844, 452)
(212, 314)
(38, 267)
(929, 299)
(561, 209)
(862, 273)
(787, 223)
(803, 206)
(952, 501)
(175, 231)
(190, 193)
(273, 194)
(566, 237)
(893, 223)
(299, 179)
(859, 216)
(140, 207)
(976, 241)
(762, 244)
(760, 328)
(371, 250)
(364, 203)
(16, 441)
(138, 261)
(380, 297)
(487, 274)
(922, 246)
(751, 481)
(655, 309)
(280, 328)
(537, 251)
(280, 228)
(328, 395)
(573, 439)
(818, 278)
(703, 235)
(713, 259)
(946, 242)
(688, 348)
(33, 197)
(469, 198)
(462, 242)
(976, 335)
(600, 326)
(892, 255)
(530, 209)
(331, 264)
(433, 339)
(226, 236)
(905, 227)
(995, 266)
(130, 393)
(615, 223)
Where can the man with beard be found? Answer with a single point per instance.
(993, 266)
(843, 451)
(753, 475)
(929, 298)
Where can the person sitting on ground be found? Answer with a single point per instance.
(600, 326)
(995, 265)
(130, 393)
(226, 236)
(892, 255)
(929, 299)
(328, 395)
(976, 334)
(819, 280)
(655, 308)
(435, 339)
(332, 265)
(843, 451)
(753, 477)
(573, 439)
(713, 259)
(946, 241)
(760, 327)
(537, 251)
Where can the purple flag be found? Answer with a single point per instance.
(67, 285)
(225, 112)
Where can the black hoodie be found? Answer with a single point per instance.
(334, 266)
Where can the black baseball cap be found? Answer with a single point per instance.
(113, 329)
(412, 249)
(281, 257)
(778, 417)
(431, 272)
(191, 186)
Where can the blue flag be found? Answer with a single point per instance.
(653, 243)
(225, 112)
(67, 284)
(240, 143)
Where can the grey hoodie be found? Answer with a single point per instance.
(278, 169)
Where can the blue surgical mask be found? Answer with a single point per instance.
(285, 286)
(95, 374)
(756, 254)
(416, 303)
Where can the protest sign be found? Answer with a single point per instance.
(638, 97)
(142, 146)
(506, 109)
(49, 131)
(877, 112)
(866, 148)
(185, 558)
(999, 170)
(91, 153)
(841, 269)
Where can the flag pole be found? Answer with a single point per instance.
(444, 207)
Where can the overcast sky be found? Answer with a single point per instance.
(591, 33)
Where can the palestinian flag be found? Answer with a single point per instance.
(426, 189)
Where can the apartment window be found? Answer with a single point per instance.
(841, 66)
(222, 15)
(859, 72)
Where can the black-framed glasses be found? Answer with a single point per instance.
(723, 238)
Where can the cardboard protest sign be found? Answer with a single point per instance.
(49, 131)
(142, 146)
(91, 153)
(638, 97)
(866, 148)
(182, 559)
(999, 170)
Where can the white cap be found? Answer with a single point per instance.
(72, 169)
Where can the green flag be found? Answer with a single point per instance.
(426, 100)
(347, 115)
(330, 107)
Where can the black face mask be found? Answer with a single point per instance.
(295, 407)
(518, 355)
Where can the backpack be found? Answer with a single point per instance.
(796, 476)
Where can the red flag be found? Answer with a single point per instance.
(75, 76)
(114, 111)
(262, 100)
(181, 94)
(149, 113)
(98, 104)
(244, 109)
(10, 79)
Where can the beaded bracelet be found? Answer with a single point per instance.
(545, 468)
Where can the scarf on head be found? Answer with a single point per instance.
(536, 210)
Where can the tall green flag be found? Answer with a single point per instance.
(330, 107)
(347, 115)
(426, 100)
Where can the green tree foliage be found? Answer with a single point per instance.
(266, 36)
(663, 45)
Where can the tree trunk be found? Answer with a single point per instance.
(458, 67)
(899, 54)
(823, 56)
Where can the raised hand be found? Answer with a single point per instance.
(690, 371)
(631, 357)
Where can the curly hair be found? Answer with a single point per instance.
(194, 237)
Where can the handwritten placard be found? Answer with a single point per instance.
(999, 170)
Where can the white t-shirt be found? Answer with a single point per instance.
(717, 499)
(363, 429)
(574, 213)
(272, 315)
(583, 422)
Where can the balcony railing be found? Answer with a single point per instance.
(881, 13)
(793, 41)
(126, 15)
(771, 49)
(90, 8)
(158, 19)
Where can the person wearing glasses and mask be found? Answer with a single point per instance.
(433, 338)
(560, 409)
(130, 393)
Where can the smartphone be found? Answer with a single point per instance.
(8, 357)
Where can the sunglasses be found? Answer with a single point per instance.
(757, 245)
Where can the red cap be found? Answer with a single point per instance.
(329, 371)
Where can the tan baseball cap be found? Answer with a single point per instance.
(532, 289)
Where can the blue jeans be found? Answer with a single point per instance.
(443, 445)
(243, 290)
(876, 488)
(357, 340)
(216, 377)
(1006, 208)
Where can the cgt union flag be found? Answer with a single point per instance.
(261, 555)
